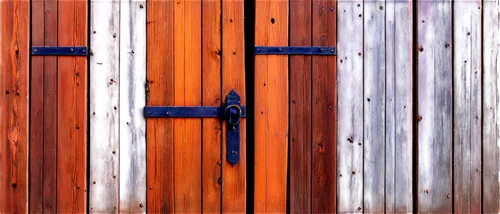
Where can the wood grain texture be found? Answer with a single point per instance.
(233, 78)
(324, 109)
(374, 106)
(350, 107)
(399, 106)
(132, 100)
(160, 91)
(14, 105)
(271, 108)
(491, 107)
(300, 108)
(43, 134)
(434, 106)
(187, 132)
(467, 106)
(104, 106)
(212, 127)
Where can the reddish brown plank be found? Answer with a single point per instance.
(324, 109)
(233, 77)
(72, 109)
(14, 101)
(160, 132)
(300, 108)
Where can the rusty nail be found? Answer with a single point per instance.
(141, 6)
(150, 188)
(359, 144)
(294, 140)
(353, 172)
(331, 9)
(14, 185)
(468, 33)
(294, 101)
(426, 191)
(420, 118)
(7, 92)
(114, 35)
(78, 187)
(141, 205)
(330, 107)
(77, 127)
(114, 176)
(115, 108)
(381, 7)
(448, 196)
(114, 207)
(477, 169)
(230, 20)
(77, 74)
(359, 208)
(350, 139)
(93, 182)
(340, 175)
(359, 54)
(113, 152)
(447, 45)
(359, 15)
(234, 53)
(368, 99)
(421, 48)
(477, 117)
(93, 113)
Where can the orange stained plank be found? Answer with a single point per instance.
(187, 132)
(72, 109)
(14, 85)
(211, 81)
(271, 98)
(233, 77)
(160, 134)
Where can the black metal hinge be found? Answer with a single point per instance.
(295, 50)
(231, 112)
(59, 51)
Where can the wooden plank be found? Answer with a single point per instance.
(399, 107)
(467, 106)
(160, 132)
(374, 106)
(72, 109)
(104, 104)
(271, 109)
(212, 127)
(491, 107)
(350, 107)
(300, 109)
(14, 105)
(324, 109)
(434, 106)
(187, 132)
(132, 100)
(233, 77)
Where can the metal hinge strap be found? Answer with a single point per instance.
(59, 51)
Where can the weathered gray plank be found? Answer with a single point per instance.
(467, 106)
(132, 101)
(104, 101)
(399, 102)
(434, 106)
(491, 106)
(374, 106)
(350, 107)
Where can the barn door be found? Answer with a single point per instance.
(195, 58)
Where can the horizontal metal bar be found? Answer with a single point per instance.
(59, 51)
(187, 111)
(295, 50)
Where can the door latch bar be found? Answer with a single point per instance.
(231, 111)
(295, 50)
(59, 51)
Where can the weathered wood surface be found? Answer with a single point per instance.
(14, 105)
(324, 109)
(434, 106)
(212, 127)
(350, 107)
(399, 106)
(43, 127)
(160, 132)
(271, 108)
(374, 75)
(300, 108)
(233, 77)
(132, 146)
(491, 107)
(104, 106)
(467, 106)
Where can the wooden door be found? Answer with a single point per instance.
(195, 57)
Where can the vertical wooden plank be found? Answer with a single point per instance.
(14, 101)
(374, 106)
(160, 91)
(434, 106)
(271, 116)
(467, 106)
(324, 109)
(212, 128)
(300, 108)
(187, 132)
(350, 107)
(72, 109)
(43, 144)
(132, 100)
(491, 107)
(104, 103)
(233, 77)
(399, 105)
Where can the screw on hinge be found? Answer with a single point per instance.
(420, 118)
